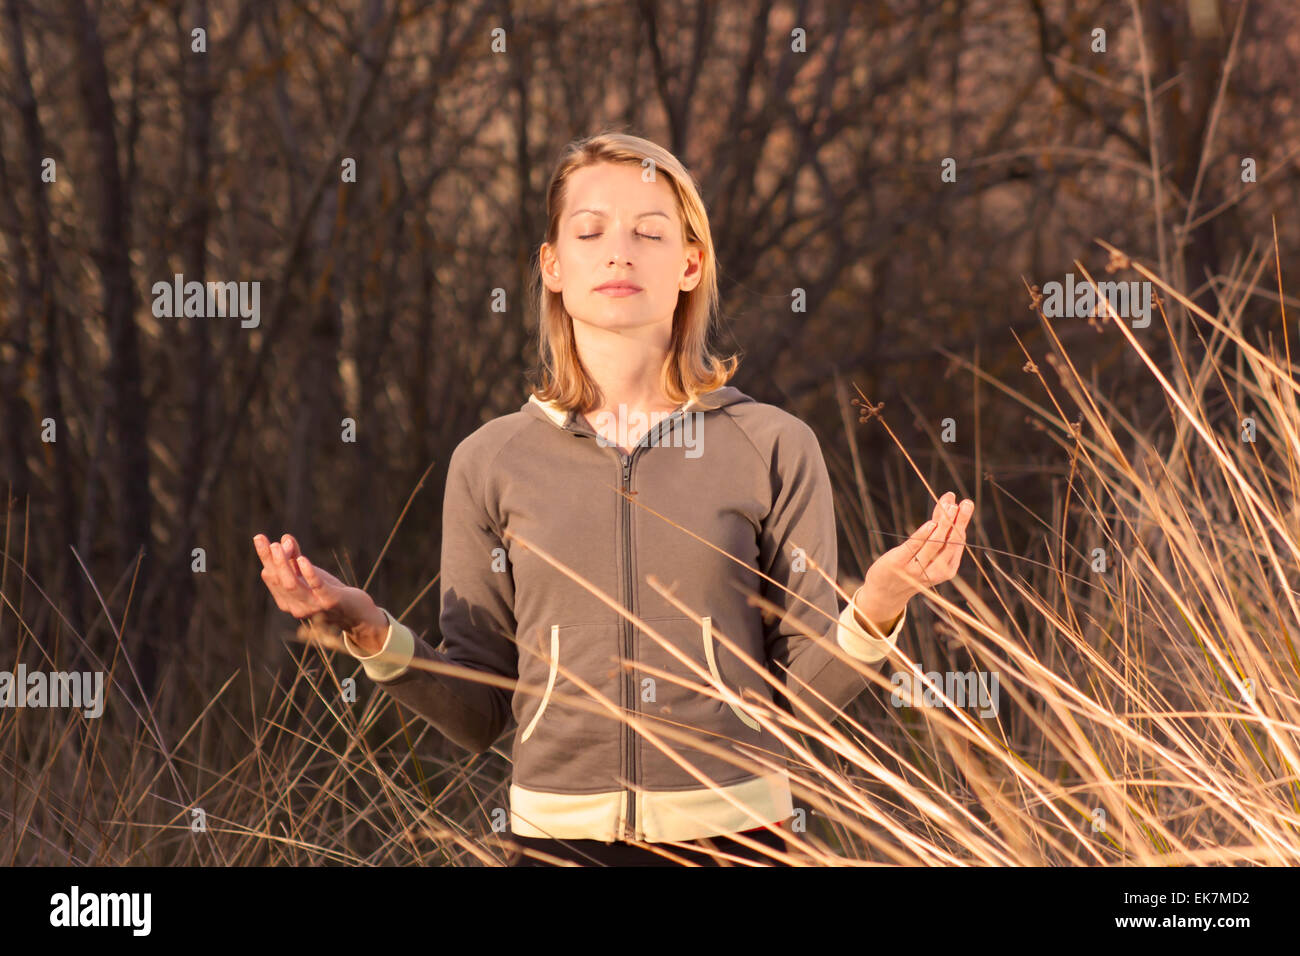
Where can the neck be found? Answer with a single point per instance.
(626, 365)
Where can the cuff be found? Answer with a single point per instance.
(394, 658)
(859, 644)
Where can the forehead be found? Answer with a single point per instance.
(611, 188)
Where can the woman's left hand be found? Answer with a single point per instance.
(930, 556)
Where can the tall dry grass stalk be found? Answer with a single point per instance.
(1148, 714)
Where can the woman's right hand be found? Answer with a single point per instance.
(306, 591)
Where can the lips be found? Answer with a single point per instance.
(623, 287)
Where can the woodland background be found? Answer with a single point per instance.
(821, 169)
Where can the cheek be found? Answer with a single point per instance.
(667, 269)
(577, 271)
(673, 278)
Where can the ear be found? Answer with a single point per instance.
(693, 271)
(550, 267)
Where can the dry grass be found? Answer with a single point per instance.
(1124, 693)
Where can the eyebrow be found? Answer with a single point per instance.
(597, 212)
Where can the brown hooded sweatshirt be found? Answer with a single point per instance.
(715, 499)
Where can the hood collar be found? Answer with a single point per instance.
(561, 418)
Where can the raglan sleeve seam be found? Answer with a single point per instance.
(475, 619)
(801, 507)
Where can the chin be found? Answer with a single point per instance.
(612, 319)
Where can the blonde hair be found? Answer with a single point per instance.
(690, 367)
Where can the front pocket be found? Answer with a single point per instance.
(691, 729)
(550, 681)
(574, 743)
(707, 627)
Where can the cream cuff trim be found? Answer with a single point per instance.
(394, 658)
(858, 644)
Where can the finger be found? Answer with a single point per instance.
(288, 577)
(934, 542)
(912, 547)
(958, 515)
(954, 550)
(956, 562)
(930, 558)
(944, 568)
(291, 549)
(956, 530)
(947, 507)
(263, 548)
(308, 571)
(271, 578)
(951, 514)
(916, 540)
(964, 514)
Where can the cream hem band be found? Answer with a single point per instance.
(660, 815)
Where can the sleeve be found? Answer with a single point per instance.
(477, 624)
(802, 516)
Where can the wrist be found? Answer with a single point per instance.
(875, 613)
(370, 636)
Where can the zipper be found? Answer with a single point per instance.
(626, 462)
(629, 587)
(627, 639)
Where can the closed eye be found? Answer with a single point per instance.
(592, 235)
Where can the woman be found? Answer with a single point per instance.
(603, 549)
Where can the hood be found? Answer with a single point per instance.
(560, 418)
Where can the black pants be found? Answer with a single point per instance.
(618, 853)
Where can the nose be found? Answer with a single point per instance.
(618, 253)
